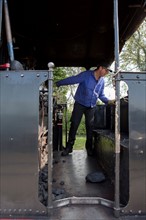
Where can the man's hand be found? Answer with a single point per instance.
(111, 102)
(56, 83)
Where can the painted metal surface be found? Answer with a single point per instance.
(105, 148)
(137, 142)
(19, 119)
(135, 167)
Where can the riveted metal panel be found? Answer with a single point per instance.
(137, 142)
(19, 119)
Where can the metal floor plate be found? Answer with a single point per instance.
(69, 174)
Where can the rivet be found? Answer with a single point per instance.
(19, 210)
(45, 75)
(22, 75)
(141, 152)
(139, 211)
(122, 211)
(38, 75)
(130, 211)
(122, 76)
(137, 76)
(30, 210)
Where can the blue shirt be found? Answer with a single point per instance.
(89, 89)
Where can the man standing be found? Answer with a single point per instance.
(90, 88)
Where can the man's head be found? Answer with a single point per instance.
(103, 69)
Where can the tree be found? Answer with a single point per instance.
(59, 93)
(65, 93)
(133, 55)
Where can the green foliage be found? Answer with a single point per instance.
(133, 55)
(79, 142)
(59, 93)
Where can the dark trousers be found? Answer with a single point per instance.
(76, 117)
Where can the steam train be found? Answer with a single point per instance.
(35, 181)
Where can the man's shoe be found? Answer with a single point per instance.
(66, 151)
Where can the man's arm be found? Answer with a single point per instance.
(71, 80)
(102, 96)
(104, 99)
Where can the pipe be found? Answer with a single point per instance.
(50, 132)
(66, 119)
(8, 31)
(1, 12)
(117, 113)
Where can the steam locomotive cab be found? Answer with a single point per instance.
(35, 180)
